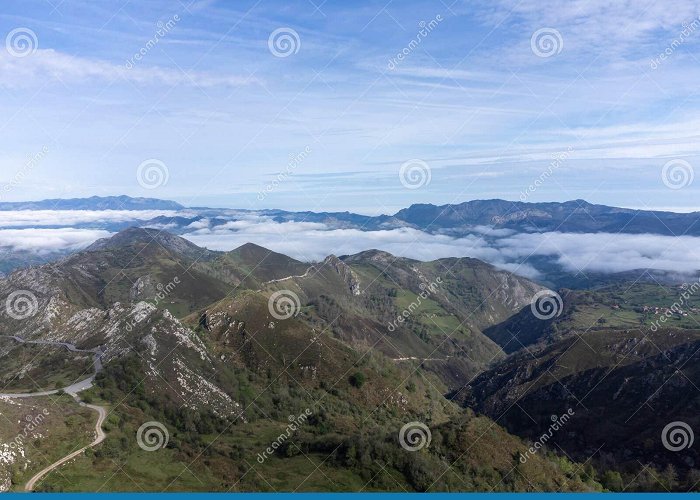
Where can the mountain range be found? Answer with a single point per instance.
(423, 376)
(576, 216)
(573, 244)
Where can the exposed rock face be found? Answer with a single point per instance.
(346, 273)
(143, 288)
(520, 215)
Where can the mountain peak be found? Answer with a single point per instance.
(138, 236)
(265, 263)
(370, 255)
(251, 247)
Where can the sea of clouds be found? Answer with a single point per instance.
(55, 231)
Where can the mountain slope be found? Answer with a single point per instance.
(624, 387)
(421, 314)
(624, 357)
(136, 264)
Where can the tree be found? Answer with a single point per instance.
(612, 481)
(669, 478)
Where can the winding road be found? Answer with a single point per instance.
(100, 436)
(73, 390)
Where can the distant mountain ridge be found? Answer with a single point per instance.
(94, 203)
(576, 216)
(494, 224)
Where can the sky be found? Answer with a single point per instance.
(360, 106)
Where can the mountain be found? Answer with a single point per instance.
(225, 349)
(139, 239)
(254, 260)
(429, 315)
(224, 370)
(577, 216)
(94, 203)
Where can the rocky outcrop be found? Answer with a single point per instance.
(345, 272)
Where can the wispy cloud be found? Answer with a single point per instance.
(49, 65)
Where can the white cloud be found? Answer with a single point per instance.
(599, 25)
(607, 252)
(42, 241)
(313, 241)
(37, 218)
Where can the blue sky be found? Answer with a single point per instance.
(474, 104)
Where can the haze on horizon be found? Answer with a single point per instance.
(308, 106)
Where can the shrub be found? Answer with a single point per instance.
(357, 379)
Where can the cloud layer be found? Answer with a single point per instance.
(63, 218)
(46, 231)
(600, 252)
(44, 241)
